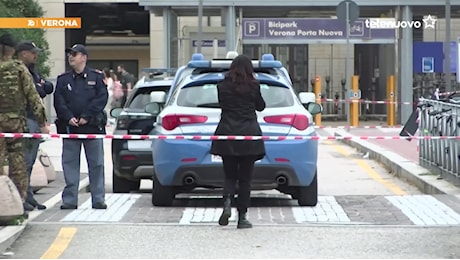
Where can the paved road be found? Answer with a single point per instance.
(363, 212)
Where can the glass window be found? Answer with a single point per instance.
(142, 97)
(274, 96)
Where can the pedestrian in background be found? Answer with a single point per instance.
(79, 100)
(109, 82)
(28, 53)
(127, 81)
(17, 91)
(239, 98)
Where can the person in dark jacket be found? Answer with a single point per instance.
(28, 53)
(239, 98)
(79, 100)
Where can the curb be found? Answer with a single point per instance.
(9, 234)
(402, 168)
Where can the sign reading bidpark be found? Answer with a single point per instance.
(289, 29)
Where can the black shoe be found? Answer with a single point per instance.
(227, 212)
(27, 206)
(41, 207)
(68, 206)
(243, 222)
(35, 203)
(99, 205)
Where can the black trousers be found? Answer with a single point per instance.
(239, 168)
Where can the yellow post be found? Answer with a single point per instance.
(354, 105)
(317, 90)
(391, 111)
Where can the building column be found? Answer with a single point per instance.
(55, 37)
(406, 71)
(170, 40)
(57, 60)
(157, 55)
(230, 28)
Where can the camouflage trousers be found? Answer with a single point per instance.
(12, 149)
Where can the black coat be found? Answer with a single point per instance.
(238, 118)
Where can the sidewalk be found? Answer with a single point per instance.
(400, 157)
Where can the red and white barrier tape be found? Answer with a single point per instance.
(449, 93)
(363, 101)
(215, 137)
(358, 127)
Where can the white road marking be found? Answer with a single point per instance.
(425, 210)
(327, 210)
(117, 206)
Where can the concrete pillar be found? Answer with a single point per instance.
(55, 37)
(56, 40)
(170, 39)
(230, 28)
(405, 86)
(157, 42)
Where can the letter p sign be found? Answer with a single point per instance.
(252, 28)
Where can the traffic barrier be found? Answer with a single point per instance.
(218, 137)
(439, 120)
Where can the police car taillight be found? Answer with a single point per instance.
(298, 121)
(172, 121)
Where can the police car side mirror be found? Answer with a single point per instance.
(153, 108)
(314, 108)
(115, 112)
(158, 97)
(306, 97)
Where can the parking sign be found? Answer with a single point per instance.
(427, 64)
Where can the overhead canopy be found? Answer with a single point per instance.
(299, 8)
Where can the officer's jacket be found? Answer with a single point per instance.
(42, 90)
(81, 95)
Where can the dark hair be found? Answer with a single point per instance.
(241, 72)
(106, 72)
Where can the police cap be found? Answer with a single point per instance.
(77, 48)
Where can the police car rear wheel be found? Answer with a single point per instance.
(161, 195)
(308, 196)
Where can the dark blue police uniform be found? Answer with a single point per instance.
(82, 95)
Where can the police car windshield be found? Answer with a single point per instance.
(206, 96)
(142, 97)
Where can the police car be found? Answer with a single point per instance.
(132, 159)
(192, 108)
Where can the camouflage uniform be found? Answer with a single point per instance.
(17, 89)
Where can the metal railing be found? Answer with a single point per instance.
(440, 155)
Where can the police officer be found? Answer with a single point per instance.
(79, 100)
(28, 52)
(17, 91)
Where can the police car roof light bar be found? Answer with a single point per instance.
(159, 70)
(268, 61)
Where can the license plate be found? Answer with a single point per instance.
(216, 158)
(139, 145)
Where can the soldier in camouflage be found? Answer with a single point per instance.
(17, 90)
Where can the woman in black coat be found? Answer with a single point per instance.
(239, 98)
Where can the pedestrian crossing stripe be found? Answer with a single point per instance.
(419, 210)
(327, 210)
(425, 210)
(118, 205)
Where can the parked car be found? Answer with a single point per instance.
(132, 159)
(182, 165)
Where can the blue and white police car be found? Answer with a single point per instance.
(191, 108)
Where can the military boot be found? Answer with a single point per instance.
(243, 222)
(227, 211)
